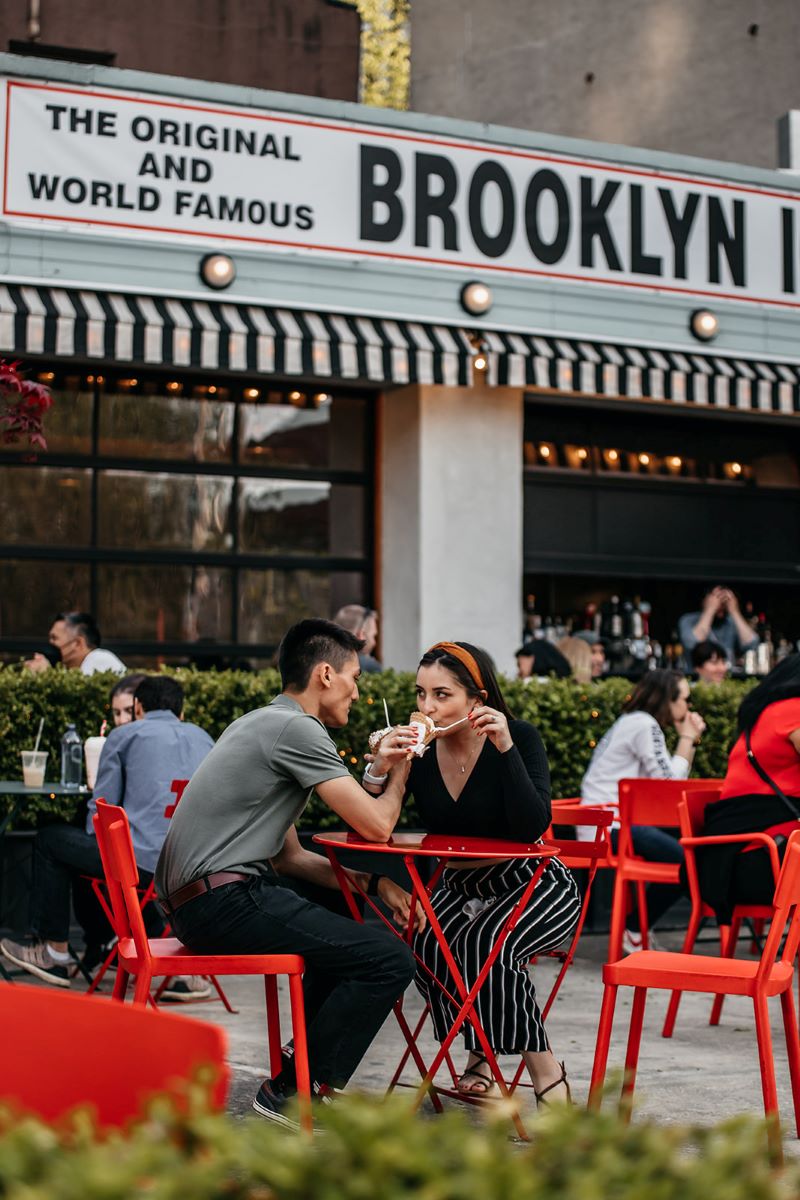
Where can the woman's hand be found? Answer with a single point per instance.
(399, 901)
(393, 748)
(692, 726)
(488, 722)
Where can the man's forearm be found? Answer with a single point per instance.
(315, 868)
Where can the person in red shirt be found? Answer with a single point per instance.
(761, 792)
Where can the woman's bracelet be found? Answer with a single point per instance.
(378, 780)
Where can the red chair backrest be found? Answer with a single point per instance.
(786, 917)
(177, 787)
(125, 876)
(691, 818)
(102, 820)
(579, 852)
(67, 1051)
(652, 802)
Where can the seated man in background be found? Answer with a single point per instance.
(362, 622)
(710, 663)
(137, 765)
(76, 638)
(720, 621)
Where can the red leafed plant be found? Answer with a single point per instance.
(22, 407)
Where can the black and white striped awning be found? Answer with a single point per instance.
(587, 368)
(216, 335)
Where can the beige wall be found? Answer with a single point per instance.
(689, 76)
(451, 552)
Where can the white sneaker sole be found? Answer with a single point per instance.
(32, 969)
(276, 1117)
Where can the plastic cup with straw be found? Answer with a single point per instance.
(34, 762)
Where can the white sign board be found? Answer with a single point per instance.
(155, 167)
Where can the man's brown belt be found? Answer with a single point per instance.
(200, 886)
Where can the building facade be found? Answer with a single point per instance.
(276, 392)
(709, 79)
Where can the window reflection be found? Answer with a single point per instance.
(68, 424)
(300, 517)
(40, 506)
(33, 592)
(148, 510)
(299, 429)
(270, 601)
(137, 421)
(159, 603)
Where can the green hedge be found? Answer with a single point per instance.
(571, 718)
(383, 1152)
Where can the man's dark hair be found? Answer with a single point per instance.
(704, 652)
(310, 642)
(160, 692)
(782, 683)
(84, 626)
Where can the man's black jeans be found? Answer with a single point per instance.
(354, 972)
(61, 854)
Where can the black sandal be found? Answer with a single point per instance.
(540, 1096)
(489, 1083)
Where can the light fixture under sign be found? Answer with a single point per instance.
(704, 324)
(217, 271)
(476, 298)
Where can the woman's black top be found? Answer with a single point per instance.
(506, 795)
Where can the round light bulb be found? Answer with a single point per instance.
(476, 298)
(736, 468)
(217, 270)
(644, 459)
(613, 456)
(544, 451)
(583, 454)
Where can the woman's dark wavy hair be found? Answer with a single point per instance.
(494, 697)
(782, 683)
(653, 694)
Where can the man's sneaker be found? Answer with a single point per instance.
(273, 1106)
(37, 960)
(186, 987)
(632, 941)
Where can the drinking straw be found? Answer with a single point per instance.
(386, 711)
(444, 728)
(39, 735)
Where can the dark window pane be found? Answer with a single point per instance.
(300, 517)
(271, 601)
(156, 603)
(68, 424)
(44, 505)
(301, 429)
(33, 592)
(139, 421)
(159, 511)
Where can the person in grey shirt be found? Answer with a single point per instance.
(720, 621)
(234, 878)
(137, 765)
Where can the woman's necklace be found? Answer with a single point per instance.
(462, 765)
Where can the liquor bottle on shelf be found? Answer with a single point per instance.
(589, 616)
(637, 623)
(615, 618)
(532, 624)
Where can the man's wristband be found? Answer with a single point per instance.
(372, 886)
(376, 779)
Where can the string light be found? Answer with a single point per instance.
(583, 454)
(613, 456)
(544, 451)
(736, 468)
(251, 393)
(675, 462)
(644, 459)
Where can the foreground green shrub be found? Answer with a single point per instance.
(572, 718)
(382, 1151)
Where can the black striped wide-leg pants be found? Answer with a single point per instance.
(472, 905)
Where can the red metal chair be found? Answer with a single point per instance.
(67, 1052)
(691, 812)
(143, 957)
(769, 976)
(644, 802)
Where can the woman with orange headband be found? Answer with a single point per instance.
(486, 777)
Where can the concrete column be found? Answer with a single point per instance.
(451, 520)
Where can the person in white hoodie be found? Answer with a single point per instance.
(635, 748)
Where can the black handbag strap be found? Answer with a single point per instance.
(757, 767)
